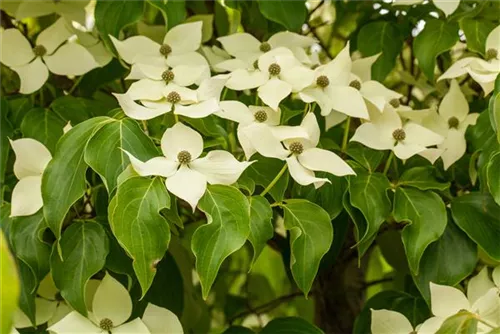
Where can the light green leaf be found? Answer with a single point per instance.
(463, 322)
(174, 12)
(478, 216)
(9, 286)
(422, 178)
(136, 222)
(227, 229)
(207, 27)
(493, 176)
(426, 214)
(494, 108)
(311, 235)
(290, 325)
(104, 152)
(261, 227)
(476, 31)
(290, 14)
(84, 247)
(63, 181)
(43, 125)
(437, 37)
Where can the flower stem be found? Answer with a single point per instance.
(273, 182)
(346, 133)
(77, 82)
(388, 163)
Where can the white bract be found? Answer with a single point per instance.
(69, 9)
(305, 158)
(447, 6)
(215, 56)
(187, 174)
(386, 131)
(392, 322)
(31, 159)
(51, 53)
(111, 308)
(484, 72)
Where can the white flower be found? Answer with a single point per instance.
(392, 322)
(447, 6)
(31, 159)
(248, 48)
(111, 307)
(215, 56)
(69, 9)
(33, 64)
(187, 174)
(183, 101)
(306, 158)
(386, 131)
(484, 72)
(159, 320)
(258, 129)
(95, 46)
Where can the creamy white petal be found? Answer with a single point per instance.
(431, 154)
(362, 68)
(136, 326)
(72, 10)
(62, 310)
(386, 321)
(447, 6)
(16, 50)
(246, 144)
(299, 77)
(136, 73)
(135, 46)
(488, 306)
(405, 150)
(406, 2)
(262, 138)
(271, 57)
(186, 75)
(318, 95)
(187, 184)
(45, 309)
(310, 124)
(187, 95)
(75, 323)
(302, 175)
(198, 110)
(181, 138)
(70, 59)
(112, 301)
(160, 320)
(146, 89)
(471, 119)
(233, 65)
(188, 59)
(287, 132)
(348, 100)
(101, 55)
(496, 276)
(242, 79)
(378, 94)
(26, 196)
(31, 157)
(485, 80)
(273, 92)
(454, 103)
(215, 56)
(90, 289)
(235, 111)
(273, 117)
(493, 40)
(32, 76)
(479, 285)
(29, 9)
(47, 288)
(212, 87)
(318, 159)
(333, 119)
(290, 39)
(454, 146)
(417, 134)
(459, 68)
(149, 67)
(219, 167)
(184, 38)
(136, 111)
(239, 43)
(338, 70)
(54, 35)
(372, 136)
(430, 326)
(447, 300)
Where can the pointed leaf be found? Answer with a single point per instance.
(365, 156)
(43, 125)
(290, 14)
(9, 286)
(290, 325)
(422, 178)
(493, 176)
(476, 31)
(261, 227)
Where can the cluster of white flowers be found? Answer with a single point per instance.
(482, 301)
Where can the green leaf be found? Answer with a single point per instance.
(494, 108)
(43, 125)
(479, 217)
(381, 37)
(263, 171)
(6, 132)
(261, 227)
(366, 157)
(493, 176)
(26, 237)
(104, 152)
(422, 178)
(227, 229)
(238, 330)
(29, 287)
(476, 31)
(426, 214)
(207, 27)
(72, 109)
(437, 37)
(9, 286)
(18, 108)
(63, 181)
(136, 222)
(290, 14)
(463, 322)
(290, 325)
(447, 261)
(174, 12)
(84, 247)
(311, 235)
(368, 193)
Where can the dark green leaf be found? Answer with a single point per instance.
(261, 227)
(493, 176)
(6, 132)
(365, 156)
(422, 178)
(290, 325)
(290, 14)
(43, 125)
(263, 171)
(173, 11)
(29, 286)
(77, 109)
(494, 108)
(476, 31)
(238, 330)
(19, 107)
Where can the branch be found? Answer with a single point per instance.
(377, 281)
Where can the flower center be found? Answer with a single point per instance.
(453, 122)
(491, 54)
(296, 147)
(399, 134)
(184, 157)
(260, 116)
(395, 103)
(274, 69)
(173, 97)
(168, 76)
(106, 324)
(265, 46)
(39, 50)
(355, 84)
(322, 81)
(165, 50)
